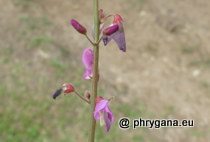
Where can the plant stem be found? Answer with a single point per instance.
(95, 72)
(81, 97)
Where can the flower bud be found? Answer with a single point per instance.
(87, 94)
(77, 26)
(101, 14)
(110, 30)
(68, 88)
(57, 93)
(99, 98)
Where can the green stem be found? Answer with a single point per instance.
(95, 72)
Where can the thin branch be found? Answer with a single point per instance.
(78, 94)
(97, 43)
(105, 18)
(90, 40)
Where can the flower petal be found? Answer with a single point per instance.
(107, 122)
(99, 107)
(88, 74)
(102, 118)
(117, 19)
(110, 114)
(87, 59)
(106, 39)
(97, 115)
(119, 38)
(110, 30)
(68, 88)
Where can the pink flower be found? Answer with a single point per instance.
(68, 88)
(119, 35)
(77, 26)
(110, 30)
(87, 59)
(103, 113)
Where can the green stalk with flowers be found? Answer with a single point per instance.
(99, 109)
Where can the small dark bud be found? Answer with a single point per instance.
(101, 14)
(87, 94)
(57, 93)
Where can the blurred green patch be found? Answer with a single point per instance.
(37, 41)
(201, 63)
(138, 138)
(59, 67)
(6, 51)
(35, 22)
(187, 49)
(4, 60)
(57, 64)
(64, 52)
(23, 3)
(45, 21)
(135, 110)
(31, 22)
(2, 90)
(102, 136)
(207, 62)
(152, 46)
(169, 109)
(137, 3)
(197, 133)
(205, 84)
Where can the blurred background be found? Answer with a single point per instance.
(164, 74)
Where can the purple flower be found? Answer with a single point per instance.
(87, 59)
(111, 30)
(77, 26)
(103, 113)
(118, 36)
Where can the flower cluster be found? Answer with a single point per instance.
(114, 31)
